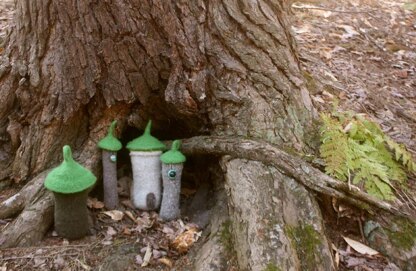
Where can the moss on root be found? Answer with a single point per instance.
(226, 238)
(272, 267)
(306, 241)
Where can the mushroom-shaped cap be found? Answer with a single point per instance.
(146, 142)
(173, 156)
(70, 177)
(109, 142)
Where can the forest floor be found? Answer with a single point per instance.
(361, 53)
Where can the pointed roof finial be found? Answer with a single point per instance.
(146, 142)
(70, 177)
(110, 142)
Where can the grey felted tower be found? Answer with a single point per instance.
(70, 183)
(110, 145)
(145, 154)
(172, 166)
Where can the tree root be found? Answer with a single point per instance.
(31, 225)
(292, 166)
(17, 202)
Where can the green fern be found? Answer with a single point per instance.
(334, 149)
(355, 148)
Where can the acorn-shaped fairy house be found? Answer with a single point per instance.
(145, 154)
(172, 166)
(110, 145)
(70, 183)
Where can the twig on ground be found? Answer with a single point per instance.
(332, 10)
(37, 256)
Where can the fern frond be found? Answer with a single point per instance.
(379, 189)
(353, 145)
(401, 154)
(334, 148)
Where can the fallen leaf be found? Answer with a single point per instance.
(83, 265)
(157, 254)
(111, 231)
(350, 31)
(107, 242)
(128, 203)
(326, 53)
(127, 231)
(301, 30)
(38, 262)
(139, 259)
(94, 203)
(147, 256)
(185, 240)
(403, 74)
(359, 247)
(354, 261)
(130, 215)
(167, 230)
(115, 215)
(336, 256)
(143, 222)
(318, 99)
(166, 262)
(59, 262)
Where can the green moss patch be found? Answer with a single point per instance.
(272, 267)
(404, 236)
(306, 241)
(226, 238)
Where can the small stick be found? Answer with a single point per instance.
(333, 10)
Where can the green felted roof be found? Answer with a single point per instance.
(173, 156)
(109, 142)
(146, 142)
(70, 177)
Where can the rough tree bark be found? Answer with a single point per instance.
(204, 67)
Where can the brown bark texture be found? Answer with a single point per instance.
(222, 68)
(71, 66)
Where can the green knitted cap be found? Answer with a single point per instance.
(174, 156)
(109, 142)
(70, 177)
(146, 142)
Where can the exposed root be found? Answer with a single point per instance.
(291, 165)
(17, 202)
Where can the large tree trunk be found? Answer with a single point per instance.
(231, 65)
(197, 67)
